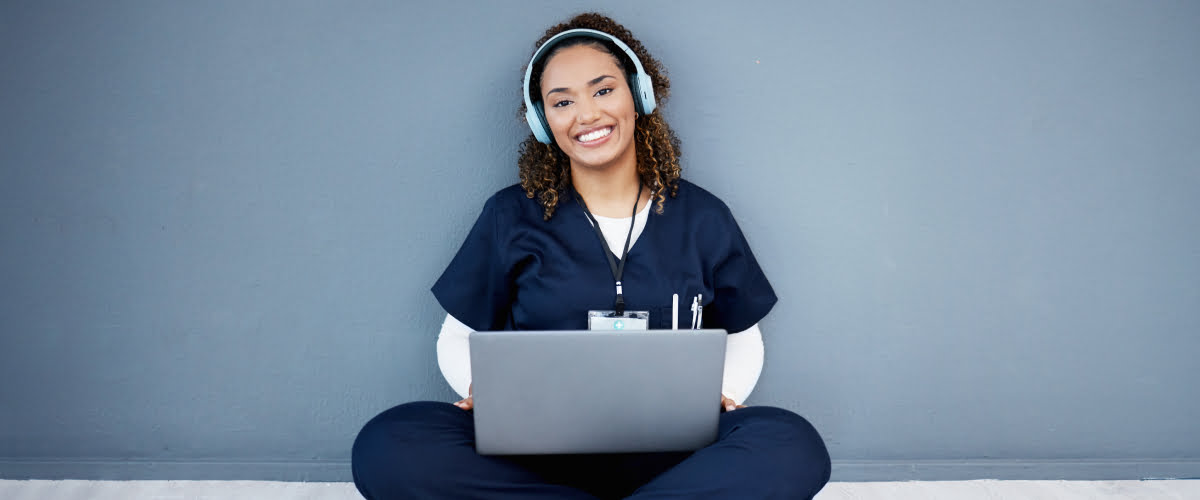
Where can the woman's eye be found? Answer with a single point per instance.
(562, 103)
(603, 91)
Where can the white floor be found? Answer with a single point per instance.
(923, 490)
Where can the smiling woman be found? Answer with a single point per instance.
(592, 119)
(598, 142)
(545, 165)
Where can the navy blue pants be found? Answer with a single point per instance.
(427, 450)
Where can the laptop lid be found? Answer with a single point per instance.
(544, 392)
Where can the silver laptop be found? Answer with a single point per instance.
(542, 392)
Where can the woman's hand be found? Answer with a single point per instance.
(469, 402)
(729, 404)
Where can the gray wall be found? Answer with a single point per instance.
(220, 221)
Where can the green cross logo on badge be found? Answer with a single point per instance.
(618, 325)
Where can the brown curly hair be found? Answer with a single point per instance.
(546, 171)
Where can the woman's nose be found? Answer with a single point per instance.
(588, 111)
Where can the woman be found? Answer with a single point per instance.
(531, 262)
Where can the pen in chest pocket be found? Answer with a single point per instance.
(675, 311)
(697, 312)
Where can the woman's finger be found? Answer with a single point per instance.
(467, 403)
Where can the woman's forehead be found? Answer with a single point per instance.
(576, 65)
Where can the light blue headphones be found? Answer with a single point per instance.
(640, 84)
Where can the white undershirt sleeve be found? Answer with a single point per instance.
(743, 363)
(743, 359)
(454, 354)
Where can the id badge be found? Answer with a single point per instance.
(610, 320)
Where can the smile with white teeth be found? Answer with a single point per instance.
(595, 134)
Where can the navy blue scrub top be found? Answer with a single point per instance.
(517, 271)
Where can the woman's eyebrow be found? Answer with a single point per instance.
(593, 81)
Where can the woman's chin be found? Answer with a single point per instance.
(599, 159)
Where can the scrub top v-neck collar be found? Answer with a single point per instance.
(612, 227)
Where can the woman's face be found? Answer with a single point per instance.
(589, 107)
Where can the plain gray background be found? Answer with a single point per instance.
(221, 219)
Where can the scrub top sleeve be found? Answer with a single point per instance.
(474, 288)
(743, 296)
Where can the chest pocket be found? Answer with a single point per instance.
(661, 317)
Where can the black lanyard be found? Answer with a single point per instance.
(617, 271)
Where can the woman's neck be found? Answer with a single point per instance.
(608, 192)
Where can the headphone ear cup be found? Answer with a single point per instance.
(645, 90)
(536, 119)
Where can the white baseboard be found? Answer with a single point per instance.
(196, 470)
(962, 470)
(843, 470)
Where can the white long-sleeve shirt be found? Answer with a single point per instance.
(743, 350)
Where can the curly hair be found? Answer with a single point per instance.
(545, 170)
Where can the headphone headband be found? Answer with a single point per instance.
(640, 83)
